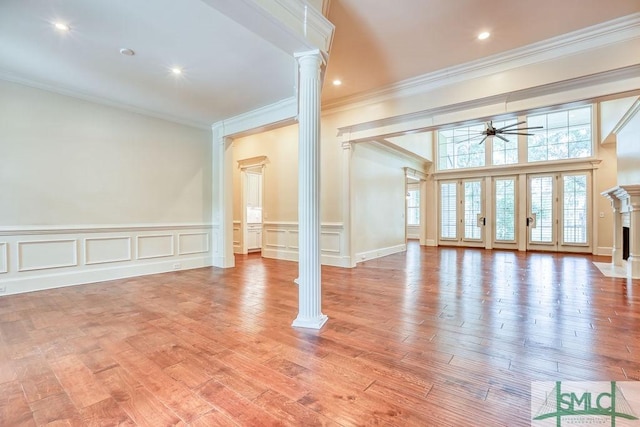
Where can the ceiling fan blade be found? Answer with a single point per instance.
(483, 139)
(509, 126)
(532, 127)
(517, 133)
(502, 137)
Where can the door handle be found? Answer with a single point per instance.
(531, 221)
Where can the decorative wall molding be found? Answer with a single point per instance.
(281, 242)
(22, 230)
(37, 258)
(193, 243)
(47, 254)
(4, 260)
(154, 246)
(103, 250)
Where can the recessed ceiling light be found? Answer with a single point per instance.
(62, 27)
(484, 35)
(337, 82)
(176, 70)
(127, 52)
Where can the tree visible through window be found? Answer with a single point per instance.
(564, 135)
(459, 148)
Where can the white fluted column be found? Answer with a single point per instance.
(616, 250)
(633, 262)
(222, 212)
(309, 283)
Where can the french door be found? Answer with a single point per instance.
(462, 220)
(505, 212)
(559, 212)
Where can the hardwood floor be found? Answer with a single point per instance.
(433, 337)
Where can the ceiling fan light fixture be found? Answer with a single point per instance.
(484, 35)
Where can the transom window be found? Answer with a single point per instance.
(504, 152)
(564, 135)
(459, 148)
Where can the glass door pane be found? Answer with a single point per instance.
(575, 212)
(472, 210)
(541, 202)
(505, 210)
(448, 211)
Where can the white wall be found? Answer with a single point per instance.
(91, 192)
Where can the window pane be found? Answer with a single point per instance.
(575, 209)
(505, 210)
(448, 210)
(459, 148)
(505, 152)
(564, 135)
(413, 207)
(542, 207)
(472, 207)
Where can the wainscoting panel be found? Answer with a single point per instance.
(155, 246)
(275, 238)
(4, 260)
(330, 241)
(42, 258)
(281, 242)
(47, 254)
(193, 243)
(103, 250)
(237, 236)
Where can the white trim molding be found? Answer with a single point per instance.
(379, 253)
(34, 258)
(281, 242)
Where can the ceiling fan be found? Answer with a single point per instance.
(491, 130)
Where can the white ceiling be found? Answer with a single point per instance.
(229, 70)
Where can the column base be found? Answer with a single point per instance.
(633, 267)
(616, 256)
(313, 323)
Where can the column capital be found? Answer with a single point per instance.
(309, 55)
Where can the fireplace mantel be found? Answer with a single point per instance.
(625, 200)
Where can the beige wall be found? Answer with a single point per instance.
(281, 172)
(65, 161)
(379, 197)
(605, 178)
(628, 151)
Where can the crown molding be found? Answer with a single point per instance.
(9, 77)
(590, 38)
(425, 120)
(630, 114)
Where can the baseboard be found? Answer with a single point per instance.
(604, 251)
(79, 277)
(378, 253)
(431, 242)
